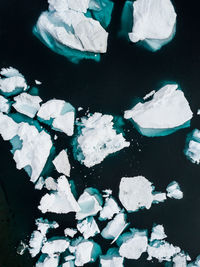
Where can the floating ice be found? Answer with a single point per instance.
(115, 227)
(192, 147)
(90, 203)
(86, 251)
(174, 191)
(38, 82)
(46, 261)
(88, 227)
(64, 5)
(196, 263)
(154, 21)
(27, 104)
(61, 200)
(158, 233)
(12, 82)
(68, 264)
(61, 163)
(40, 183)
(180, 260)
(159, 197)
(70, 232)
(55, 246)
(50, 184)
(167, 112)
(137, 192)
(4, 105)
(133, 244)
(111, 259)
(109, 209)
(59, 114)
(97, 139)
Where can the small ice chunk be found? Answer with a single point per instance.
(88, 227)
(192, 147)
(133, 243)
(58, 113)
(109, 209)
(61, 163)
(106, 192)
(12, 82)
(154, 22)
(86, 251)
(61, 200)
(70, 232)
(38, 82)
(111, 259)
(166, 112)
(97, 139)
(40, 183)
(158, 232)
(80, 108)
(55, 246)
(64, 5)
(27, 104)
(159, 197)
(90, 203)
(115, 227)
(198, 112)
(51, 184)
(149, 95)
(174, 191)
(46, 261)
(4, 105)
(196, 263)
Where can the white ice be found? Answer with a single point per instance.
(165, 113)
(174, 191)
(40, 183)
(180, 260)
(46, 261)
(98, 139)
(64, 5)
(50, 184)
(88, 227)
(109, 209)
(4, 105)
(55, 246)
(70, 232)
(61, 163)
(192, 148)
(111, 259)
(158, 232)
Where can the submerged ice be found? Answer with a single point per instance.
(165, 113)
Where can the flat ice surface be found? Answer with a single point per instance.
(166, 112)
(70, 232)
(61, 163)
(111, 259)
(12, 82)
(35, 145)
(46, 261)
(27, 104)
(55, 246)
(90, 203)
(97, 139)
(133, 244)
(88, 227)
(58, 113)
(192, 147)
(61, 200)
(4, 104)
(109, 209)
(174, 191)
(158, 233)
(153, 20)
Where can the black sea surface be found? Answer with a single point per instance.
(126, 72)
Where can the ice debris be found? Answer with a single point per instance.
(61, 163)
(27, 104)
(90, 203)
(61, 200)
(70, 232)
(12, 82)
(88, 227)
(97, 139)
(109, 209)
(111, 259)
(154, 21)
(38, 82)
(136, 193)
(174, 191)
(192, 147)
(167, 112)
(4, 105)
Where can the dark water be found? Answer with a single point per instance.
(125, 72)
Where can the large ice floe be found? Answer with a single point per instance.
(75, 29)
(167, 112)
(97, 139)
(153, 22)
(192, 147)
(137, 192)
(31, 148)
(59, 114)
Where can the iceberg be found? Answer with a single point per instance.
(27, 104)
(59, 114)
(154, 22)
(133, 244)
(109, 209)
(167, 112)
(97, 139)
(192, 147)
(55, 246)
(4, 105)
(158, 232)
(61, 163)
(46, 261)
(174, 191)
(137, 192)
(111, 259)
(61, 200)
(88, 227)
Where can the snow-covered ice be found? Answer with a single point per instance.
(154, 21)
(61, 163)
(180, 260)
(97, 139)
(192, 147)
(4, 105)
(111, 259)
(61, 200)
(55, 246)
(158, 232)
(27, 104)
(47, 261)
(90, 203)
(88, 227)
(70, 232)
(40, 183)
(167, 112)
(174, 191)
(50, 184)
(59, 114)
(109, 209)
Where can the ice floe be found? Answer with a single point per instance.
(112, 258)
(61, 163)
(174, 191)
(4, 105)
(158, 233)
(88, 227)
(70, 232)
(55, 246)
(192, 147)
(167, 112)
(109, 209)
